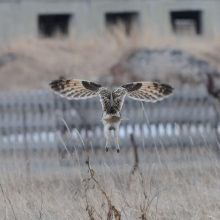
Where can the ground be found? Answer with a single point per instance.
(175, 184)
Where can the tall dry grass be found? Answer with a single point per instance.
(166, 183)
(175, 184)
(40, 61)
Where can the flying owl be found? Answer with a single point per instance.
(111, 118)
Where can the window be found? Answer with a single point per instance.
(51, 24)
(126, 18)
(186, 22)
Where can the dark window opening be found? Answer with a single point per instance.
(186, 22)
(49, 25)
(128, 19)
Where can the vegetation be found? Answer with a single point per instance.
(37, 62)
(177, 183)
(167, 184)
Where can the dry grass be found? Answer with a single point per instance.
(176, 184)
(172, 184)
(40, 61)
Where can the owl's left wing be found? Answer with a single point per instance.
(82, 89)
(142, 91)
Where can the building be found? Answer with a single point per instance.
(86, 19)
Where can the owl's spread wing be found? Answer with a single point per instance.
(142, 91)
(82, 89)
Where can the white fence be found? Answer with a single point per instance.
(35, 121)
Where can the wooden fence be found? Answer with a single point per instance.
(42, 121)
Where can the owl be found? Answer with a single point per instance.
(111, 101)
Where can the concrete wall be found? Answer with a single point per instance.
(19, 19)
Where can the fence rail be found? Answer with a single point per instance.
(36, 120)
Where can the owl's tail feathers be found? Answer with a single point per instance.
(114, 118)
(122, 118)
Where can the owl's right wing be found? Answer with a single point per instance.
(82, 89)
(142, 91)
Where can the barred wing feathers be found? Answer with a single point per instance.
(142, 91)
(81, 89)
(75, 89)
(148, 91)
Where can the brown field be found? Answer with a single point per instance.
(174, 184)
(37, 62)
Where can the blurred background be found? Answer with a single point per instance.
(111, 43)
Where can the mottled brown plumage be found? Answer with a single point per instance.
(142, 91)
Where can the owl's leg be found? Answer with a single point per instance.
(116, 140)
(107, 135)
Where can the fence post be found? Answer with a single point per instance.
(27, 153)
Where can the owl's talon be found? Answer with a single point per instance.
(118, 150)
(106, 149)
